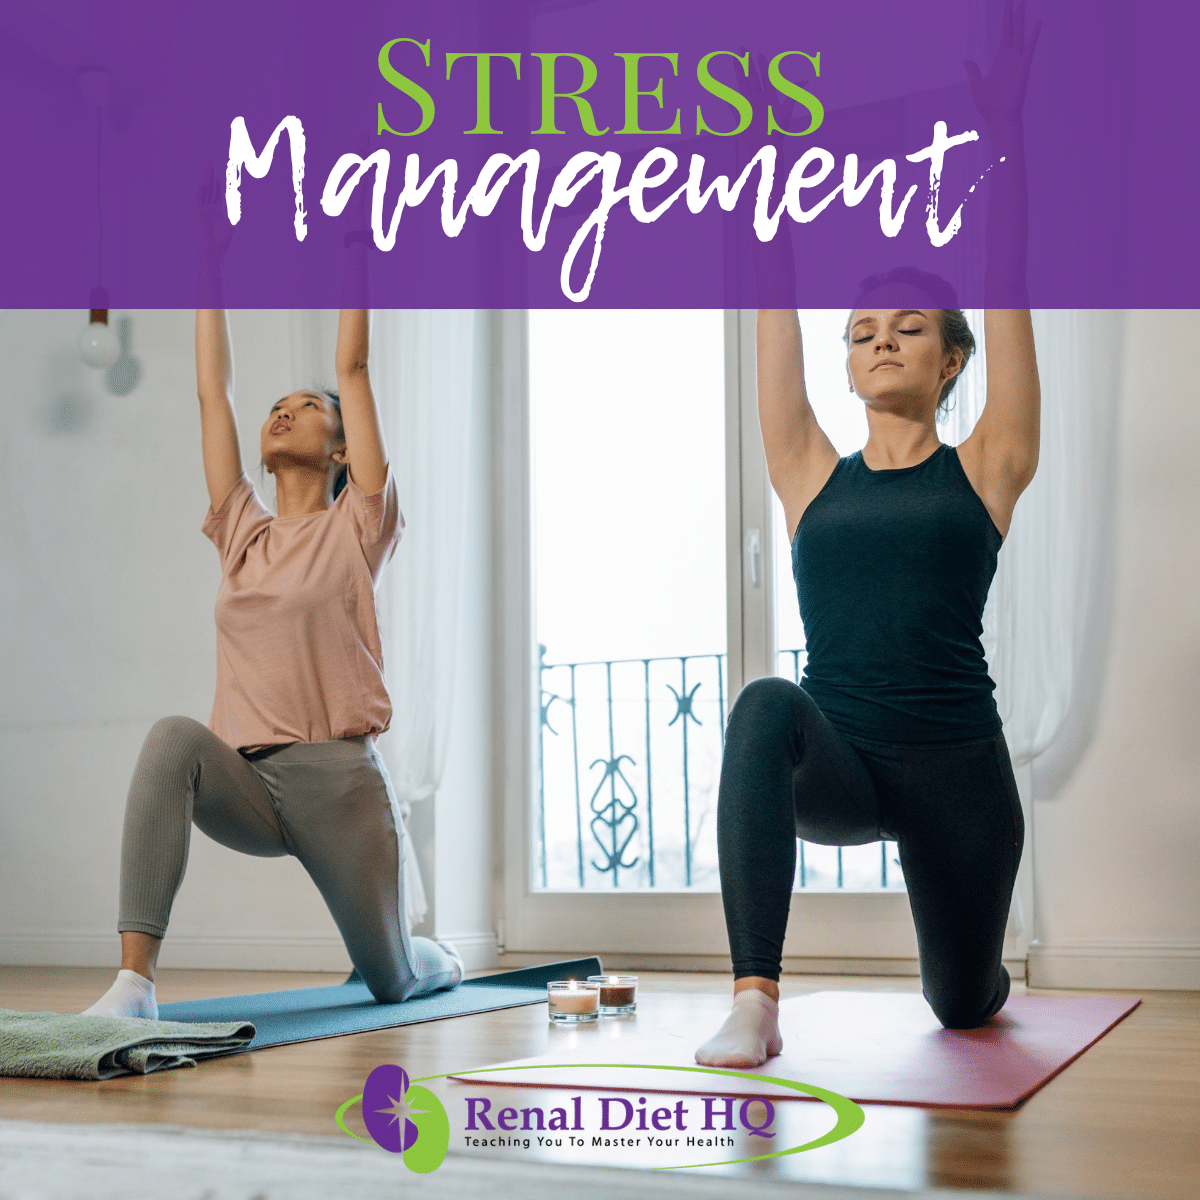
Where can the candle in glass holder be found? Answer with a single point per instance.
(618, 994)
(572, 1002)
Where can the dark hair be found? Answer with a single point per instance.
(339, 481)
(952, 324)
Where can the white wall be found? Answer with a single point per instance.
(1117, 850)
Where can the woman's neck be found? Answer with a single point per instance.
(300, 491)
(897, 441)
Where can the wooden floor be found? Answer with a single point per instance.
(1121, 1121)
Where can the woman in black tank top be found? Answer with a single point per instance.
(893, 733)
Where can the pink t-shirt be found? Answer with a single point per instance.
(298, 653)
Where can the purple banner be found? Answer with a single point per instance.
(553, 153)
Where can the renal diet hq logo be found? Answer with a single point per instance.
(407, 1119)
(403, 1118)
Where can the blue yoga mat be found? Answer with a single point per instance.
(305, 1014)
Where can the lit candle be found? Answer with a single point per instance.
(618, 993)
(572, 1002)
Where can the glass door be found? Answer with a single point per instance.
(627, 426)
(645, 578)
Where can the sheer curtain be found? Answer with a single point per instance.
(422, 372)
(1045, 627)
(1041, 633)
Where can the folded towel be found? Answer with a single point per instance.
(52, 1045)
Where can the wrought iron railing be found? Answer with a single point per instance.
(629, 758)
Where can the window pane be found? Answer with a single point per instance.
(628, 419)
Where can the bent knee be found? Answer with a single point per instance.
(768, 706)
(390, 991)
(176, 733)
(962, 1009)
(174, 749)
(956, 1015)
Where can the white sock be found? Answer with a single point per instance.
(131, 995)
(460, 970)
(749, 1036)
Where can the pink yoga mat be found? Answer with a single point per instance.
(874, 1047)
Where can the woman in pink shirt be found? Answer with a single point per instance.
(287, 763)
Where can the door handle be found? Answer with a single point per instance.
(753, 553)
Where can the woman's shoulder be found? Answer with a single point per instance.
(376, 519)
(240, 517)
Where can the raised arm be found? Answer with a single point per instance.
(1001, 455)
(214, 385)
(214, 360)
(365, 447)
(800, 458)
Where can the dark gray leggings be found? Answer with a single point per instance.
(328, 803)
(953, 811)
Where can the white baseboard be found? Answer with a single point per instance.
(479, 950)
(315, 951)
(318, 951)
(1173, 966)
(720, 964)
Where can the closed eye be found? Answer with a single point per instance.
(870, 337)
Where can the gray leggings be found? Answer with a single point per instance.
(328, 803)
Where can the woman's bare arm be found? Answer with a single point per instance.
(214, 358)
(365, 448)
(800, 458)
(1001, 455)
(214, 385)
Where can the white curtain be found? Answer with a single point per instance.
(423, 374)
(1045, 625)
(1041, 632)
(312, 333)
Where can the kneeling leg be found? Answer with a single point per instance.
(959, 849)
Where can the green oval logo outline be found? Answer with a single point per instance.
(340, 1118)
(850, 1116)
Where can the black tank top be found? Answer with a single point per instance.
(892, 570)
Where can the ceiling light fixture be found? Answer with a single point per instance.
(98, 345)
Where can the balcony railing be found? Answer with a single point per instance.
(629, 759)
